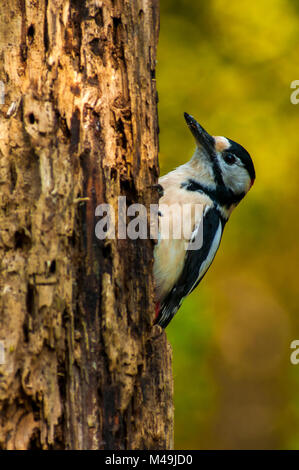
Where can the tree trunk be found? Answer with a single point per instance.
(83, 367)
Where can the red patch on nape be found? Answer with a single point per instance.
(157, 310)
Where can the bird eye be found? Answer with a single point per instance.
(229, 158)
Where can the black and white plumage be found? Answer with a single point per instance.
(217, 177)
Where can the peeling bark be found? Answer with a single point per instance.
(84, 369)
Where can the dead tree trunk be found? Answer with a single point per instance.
(78, 127)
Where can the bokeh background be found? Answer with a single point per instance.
(230, 65)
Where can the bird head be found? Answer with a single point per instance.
(228, 165)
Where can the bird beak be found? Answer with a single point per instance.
(202, 137)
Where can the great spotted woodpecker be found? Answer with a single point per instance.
(217, 177)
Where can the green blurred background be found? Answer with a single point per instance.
(230, 65)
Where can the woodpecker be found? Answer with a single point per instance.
(217, 177)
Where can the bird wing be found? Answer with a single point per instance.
(196, 264)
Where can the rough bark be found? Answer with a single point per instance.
(84, 369)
